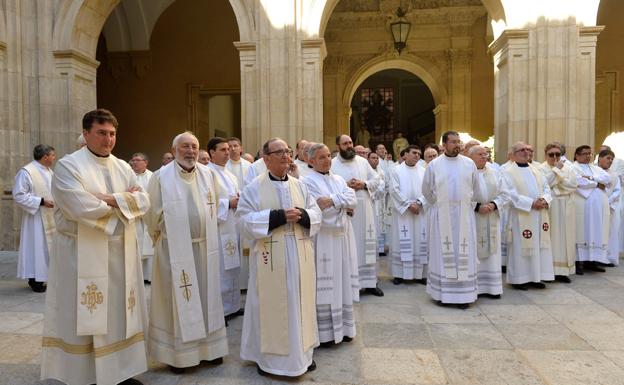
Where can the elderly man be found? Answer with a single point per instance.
(429, 155)
(361, 177)
(139, 162)
(592, 212)
(450, 185)
(409, 242)
(336, 260)
(95, 318)
(492, 198)
(280, 215)
(166, 158)
(204, 157)
(301, 155)
(562, 181)
(379, 202)
(31, 192)
(605, 162)
(229, 236)
(529, 251)
(186, 312)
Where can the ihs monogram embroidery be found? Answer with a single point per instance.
(92, 297)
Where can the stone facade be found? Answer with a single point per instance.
(300, 61)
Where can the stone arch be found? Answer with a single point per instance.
(80, 23)
(319, 14)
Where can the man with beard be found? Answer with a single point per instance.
(186, 313)
(449, 186)
(361, 177)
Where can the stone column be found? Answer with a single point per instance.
(250, 127)
(545, 85)
(311, 119)
(441, 120)
(460, 88)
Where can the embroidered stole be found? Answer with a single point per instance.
(271, 279)
(412, 242)
(180, 246)
(525, 219)
(92, 248)
(42, 189)
(488, 226)
(565, 196)
(581, 241)
(228, 187)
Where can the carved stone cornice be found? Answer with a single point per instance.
(459, 56)
(76, 56)
(245, 45)
(591, 31)
(505, 37)
(141, 62)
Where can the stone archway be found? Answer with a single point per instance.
(427, 72)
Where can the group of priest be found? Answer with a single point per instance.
(302, 235)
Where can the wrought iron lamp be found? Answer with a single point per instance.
(400, 30)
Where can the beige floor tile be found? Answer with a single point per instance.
(601, 336)
(583, 314)
(19, 349)
(401, 366)
(467, 336)
(517, 314)
(10, 322)
(390, 313)
(542, 337)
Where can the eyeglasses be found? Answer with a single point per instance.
(585, 154)
(281, 153)
(523, 150)
(554, 154)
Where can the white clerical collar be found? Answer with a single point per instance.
(451, 157)
(182, 170)
(214, 165)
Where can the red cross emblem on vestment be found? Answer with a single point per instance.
(545, 226)
(527, 234)
(265, 257)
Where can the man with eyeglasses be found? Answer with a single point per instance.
(592, 212)
(360, 176)
(139, 163)
(605, 161)
(279, 214)
(528, 250)
(562, 181)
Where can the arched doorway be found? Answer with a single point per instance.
(389, 102)
(184, 75)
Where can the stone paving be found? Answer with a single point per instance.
(566, 334)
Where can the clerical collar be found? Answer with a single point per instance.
(322, 173)
(310, 166)
(522, 164)
(450, 156)
(183, 169)
(98, 155)
(278, 179)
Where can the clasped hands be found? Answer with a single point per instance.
(110, 199)
(356, 184)
(487, 208)
(540, 203)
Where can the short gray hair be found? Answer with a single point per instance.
(179, 136)
(140, 155)
(315, 148)
(473, 150)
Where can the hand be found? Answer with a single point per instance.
(350, 212)
(539, 204)
(134, 189)
(325, 202)
(414, 208)
(234, 202)
(108, 198)
(601, 186)
(49, 203)
(293, 215)
(356, 184)
(559, 165)
(485, 209)
(588, 177)
(293, 170)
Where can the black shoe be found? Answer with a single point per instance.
(240, 312)
(604, 264)
(537, 285)
(262, 372)
(520, 286)
(579, 268)
(215, 362)
(504, 269)
(592, 266)
(397, 281)
(562, 278)
(347, 339)
(312, 366)
(488, 295)
(463, 306)
(176, 370)
(422, 281)
(327, 344)
(375, 291)
(382, 254)
(37, 287)
(147, 282)
(131, 381)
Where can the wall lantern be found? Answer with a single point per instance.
(400, 30)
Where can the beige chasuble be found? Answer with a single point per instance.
(40, 188)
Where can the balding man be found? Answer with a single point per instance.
(139, 162)
(204, 157)
(360, 176)
(186, 315)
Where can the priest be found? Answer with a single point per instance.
(606, 159)
(229, 236)
(359, 175)
(592, 212)
(379, 201)
(186, 314)
(528, 248)
(409, 249)
(139, 162)
(449, 186)
(491, 199)
(562, 181)
(96, 316)
(336, 261)
(31, 193)
(277, 212)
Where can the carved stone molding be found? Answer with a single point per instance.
(82, 67)
(141, 62)
(117, 63)
(459, 56)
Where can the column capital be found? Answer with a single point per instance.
(243, 46)
(504, 39)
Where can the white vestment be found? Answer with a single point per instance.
(449, 187)
(562, 212)
(258, 167)
(145, 241)
(240, 168)
(34, 251)
(336, 258)
(379, 206)
(614, 192)
(489, 275)
(363, 219)
(96, 314)
(229, 240)
(254, 222)
(592, 213)
(408, 249)
(387, 166)
(171, 341)
(528, 238)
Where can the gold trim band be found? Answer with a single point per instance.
(50, 342)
